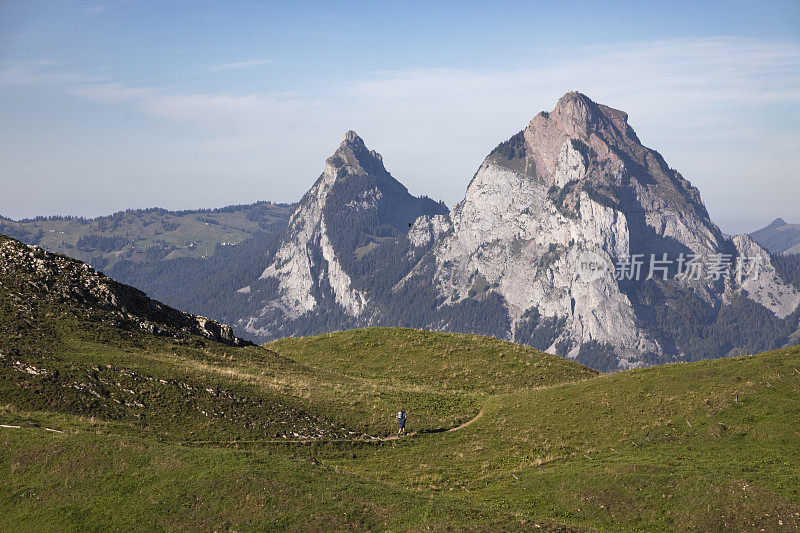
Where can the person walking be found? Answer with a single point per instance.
(401, 422)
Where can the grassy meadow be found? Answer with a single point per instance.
(704, 446)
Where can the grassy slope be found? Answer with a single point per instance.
(113, 467)
(661, 448)
(470, 364)
(86, 369)
(67, 354)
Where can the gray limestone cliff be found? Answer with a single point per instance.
(578, 180)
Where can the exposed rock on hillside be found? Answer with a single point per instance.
(30, 272)
(577, 180)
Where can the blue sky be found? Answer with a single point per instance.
(106, 105)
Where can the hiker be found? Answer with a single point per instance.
(401, 421)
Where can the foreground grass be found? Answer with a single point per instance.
(99, 475)
(667, 448)
(169, 435)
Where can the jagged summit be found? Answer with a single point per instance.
(577, 179)
(355, 207)
(353, 156)
(576, 182)
(582, 144)
(577, 106)
(579, 116)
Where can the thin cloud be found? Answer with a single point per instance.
(237, 65)
(111, 93)
(702, 77)
(39, 72)
(722, 111)
(96, 9)
(215, 112)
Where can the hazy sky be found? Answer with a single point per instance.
(107, 105)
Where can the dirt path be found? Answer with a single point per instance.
(379, 439)
(468, 422)
(30, 427)
(413, 433)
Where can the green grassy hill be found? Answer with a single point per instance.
(106, 426)
(468, 364)
(147, 235)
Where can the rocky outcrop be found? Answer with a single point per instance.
(45, 275)
(765, 288)
(427, 229)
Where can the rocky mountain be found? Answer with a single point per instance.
(577, 180)
(31, 276)
(510, 260)
(354, 208)
(779, 237)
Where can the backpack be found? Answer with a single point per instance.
(400, 415)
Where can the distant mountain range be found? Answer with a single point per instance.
(779, 237)
(185, 258)
(146, 235)
(572, 237)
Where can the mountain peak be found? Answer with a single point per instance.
(576, 106)
(579, 109)
(351, 137)
(575, 97)
(578, 116)
(777, 223)
(354, 156)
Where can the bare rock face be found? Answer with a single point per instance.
(427, 229)
(767, 289)
(571, 164)
(575, 181)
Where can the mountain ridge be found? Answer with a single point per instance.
(779, 237)
(354, 195)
